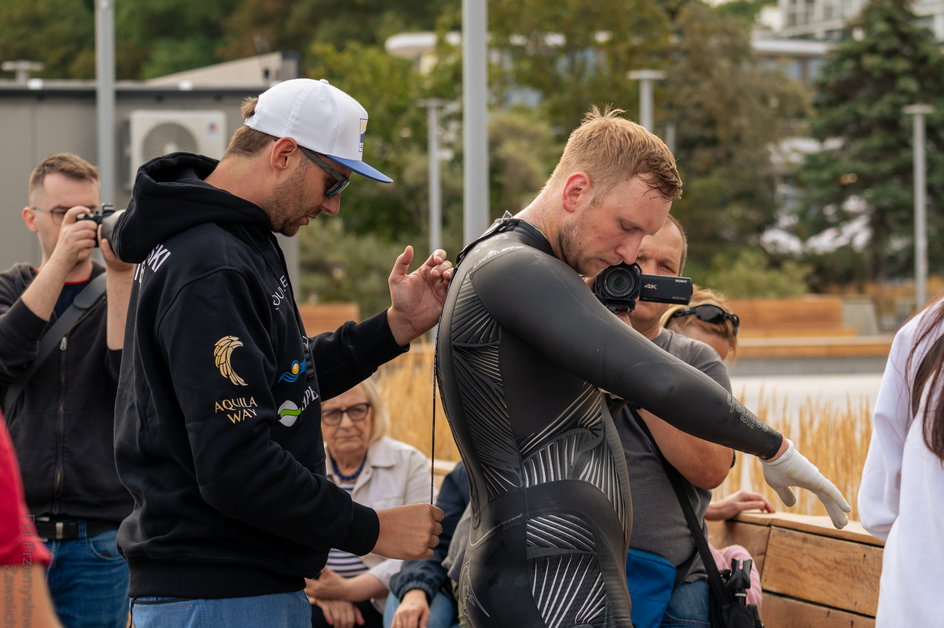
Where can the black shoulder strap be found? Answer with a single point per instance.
(718, 590)
(85, 299)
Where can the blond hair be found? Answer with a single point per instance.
(703, 296)
(611, 149)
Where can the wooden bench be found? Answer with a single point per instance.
(812, 574)
(327, 317)
(808, 316)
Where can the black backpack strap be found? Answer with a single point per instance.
(718, 590)
(84, 300)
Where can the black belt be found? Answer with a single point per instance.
(56, 529)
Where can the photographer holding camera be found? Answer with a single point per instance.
(61, 335)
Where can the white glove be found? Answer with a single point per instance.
(793, 469)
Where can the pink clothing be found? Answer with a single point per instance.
(18, 542)
(723, 561)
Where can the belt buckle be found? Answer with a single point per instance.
(60, 530)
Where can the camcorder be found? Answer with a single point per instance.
(106, 216)
(619, 287)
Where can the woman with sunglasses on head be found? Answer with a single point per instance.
(707, 319)
(379, 472)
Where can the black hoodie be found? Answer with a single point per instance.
(218, 421)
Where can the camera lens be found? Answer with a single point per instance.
(619, 283)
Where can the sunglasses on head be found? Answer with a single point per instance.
(709, 314)
(340, 181)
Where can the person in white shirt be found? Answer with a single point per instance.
(903, 477)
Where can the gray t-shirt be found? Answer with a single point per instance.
(658, 523)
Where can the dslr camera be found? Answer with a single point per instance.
(619, 287)
(101, 217)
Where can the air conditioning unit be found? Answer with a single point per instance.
(159, 132)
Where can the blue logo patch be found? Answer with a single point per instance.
(294, 371)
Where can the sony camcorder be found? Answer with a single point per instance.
(619, 287)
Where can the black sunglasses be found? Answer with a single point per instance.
(340, 181)
(709, 314)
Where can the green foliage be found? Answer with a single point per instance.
(60, 33)
(337, 266)
(601, 42)
(727, 112)
(867, 171)
(750, 274)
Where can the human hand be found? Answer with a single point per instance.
(413, 611)
(76, 238)
(328, 586)
(791, 468)
(416, 299)
(737, 502)
(340, 614)
(113, 263)
(409, 532)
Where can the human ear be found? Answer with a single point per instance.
(576, 192)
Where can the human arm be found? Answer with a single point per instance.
(248, 468)
(880, 489)
(413, 611)
(76, 238)
(416, 299)
(726, 508)
(330, 586)
(545, 304)
(703, 463)
(340, 614)
(428, 575)
(118, 289)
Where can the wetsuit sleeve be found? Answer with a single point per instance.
(541, 300)
(241, 470)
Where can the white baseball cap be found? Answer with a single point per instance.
(318, 116)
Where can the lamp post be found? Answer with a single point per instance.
(474, 118)
(105, 96)
(645, 78)
(920, 203)
(435, 196)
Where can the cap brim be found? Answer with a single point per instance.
(363, 169)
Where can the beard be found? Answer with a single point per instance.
(286, 206)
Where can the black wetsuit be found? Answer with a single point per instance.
(523, 355)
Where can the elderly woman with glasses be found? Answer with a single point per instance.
(379, 472)
(707, 319)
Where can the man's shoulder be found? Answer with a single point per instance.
(686, 349)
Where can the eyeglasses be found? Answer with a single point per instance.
(357, 412)
(340, 181)
(56, 214)
(709, 314)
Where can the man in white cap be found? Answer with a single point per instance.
(218, 416)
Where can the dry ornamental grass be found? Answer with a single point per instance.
(835, 439)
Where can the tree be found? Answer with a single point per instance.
(59, 33)
(727, 112)
(865, 172)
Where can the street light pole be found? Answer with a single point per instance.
(920, 203)
(105, 96)
(435, 196)
(645, 78)
(474, 118)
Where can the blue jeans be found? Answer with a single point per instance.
(279, 610)
(442, 611)
(688, 607)
(88, 581)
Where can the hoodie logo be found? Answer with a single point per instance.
(222, 355)
(291, 375)
(288, 414)
(154, 260)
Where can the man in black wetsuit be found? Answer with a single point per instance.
(524, 354)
